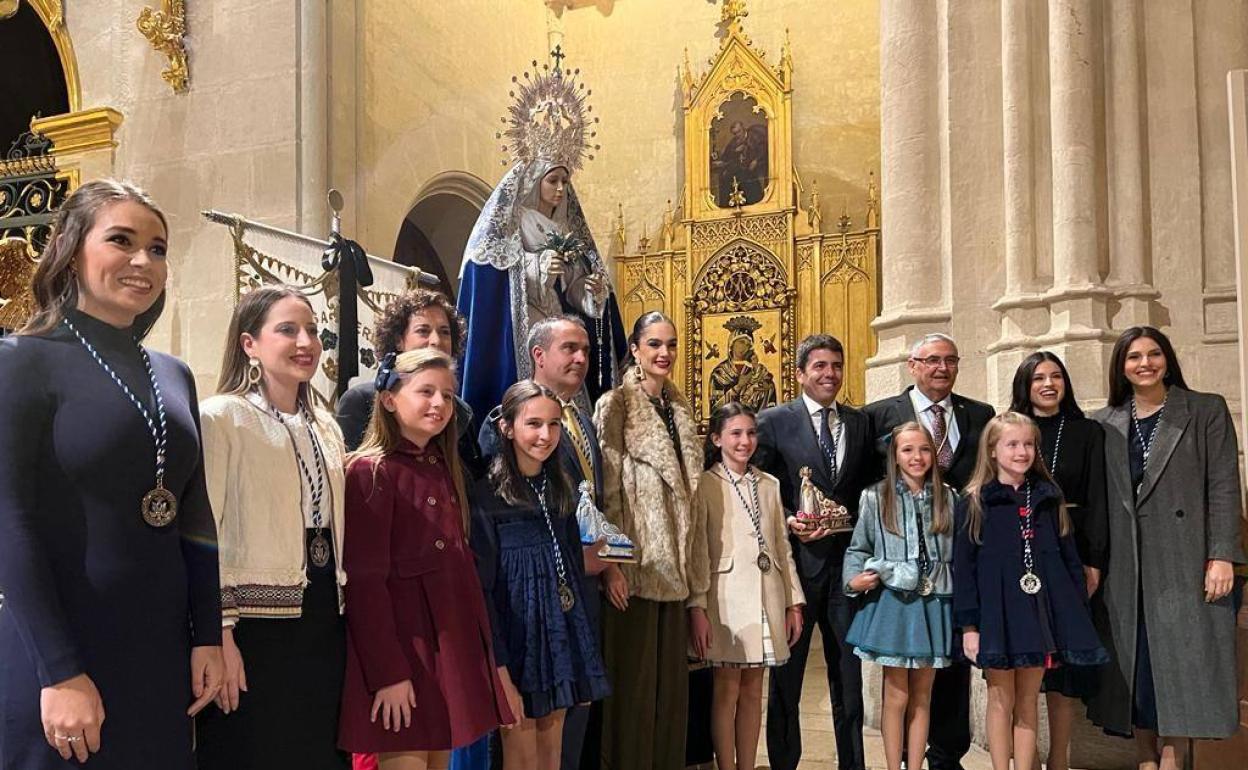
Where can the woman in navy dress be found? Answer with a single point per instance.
(1073, 449)
(528, 547)
(1018, 586)
(111, 622)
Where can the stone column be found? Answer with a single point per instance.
(1237, 98)
(1078, 302)
(915, 265)
(1129, 249)
(1023, 312)
(312, 77)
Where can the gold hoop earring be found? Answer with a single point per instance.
(254, 373)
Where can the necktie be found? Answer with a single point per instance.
(827, 441)
(572, 424)
(940, 434)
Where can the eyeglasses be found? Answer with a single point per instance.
(950, 362)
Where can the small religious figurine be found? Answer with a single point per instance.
(815, 507)
(595, 526)
(531, 255)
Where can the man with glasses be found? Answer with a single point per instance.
(955, 423)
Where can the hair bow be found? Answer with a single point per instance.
(387, 377)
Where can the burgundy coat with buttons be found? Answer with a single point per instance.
(414, 608)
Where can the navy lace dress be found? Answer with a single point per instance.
(552, 656)
(1018, 630)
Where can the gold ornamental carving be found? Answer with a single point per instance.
(52, 14)
(165, 30)
(743, 263)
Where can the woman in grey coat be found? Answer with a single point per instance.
(1174, 533)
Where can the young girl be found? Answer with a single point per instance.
(752, 610)
(903, 545)
(527, 541)
(420, 675)
(1019, 591)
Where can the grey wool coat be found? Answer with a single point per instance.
(1188, 511)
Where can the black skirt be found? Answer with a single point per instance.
(289, 715)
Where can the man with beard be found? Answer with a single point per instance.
(955, 423)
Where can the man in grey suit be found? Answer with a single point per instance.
(955, 423)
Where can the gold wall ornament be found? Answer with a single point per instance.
(8, 9)
(166, 31)
(79, 132)
(744, 268)
(52, 14)
(17, 268)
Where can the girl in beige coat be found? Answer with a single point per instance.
(752, 609)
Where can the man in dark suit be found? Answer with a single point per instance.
(835, 442)
(559, 346)
(955, 423)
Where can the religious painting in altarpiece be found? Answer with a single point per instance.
(743, 264)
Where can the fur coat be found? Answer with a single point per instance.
(647, 493)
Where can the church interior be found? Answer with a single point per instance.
(1017, 174)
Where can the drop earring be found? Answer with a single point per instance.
(253, 373)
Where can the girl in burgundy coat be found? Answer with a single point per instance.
(421, 678)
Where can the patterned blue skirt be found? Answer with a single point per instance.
(554, 657)
(903, 630)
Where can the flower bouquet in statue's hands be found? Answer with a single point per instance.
(568, 247)
(594, 527)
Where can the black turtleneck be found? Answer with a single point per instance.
(1080, 474)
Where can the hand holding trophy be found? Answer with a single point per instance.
(817, 516)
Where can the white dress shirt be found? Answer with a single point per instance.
(923, 410)
(834, 425)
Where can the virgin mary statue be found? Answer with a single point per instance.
(531, 256)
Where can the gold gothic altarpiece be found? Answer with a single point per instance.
(742, 266)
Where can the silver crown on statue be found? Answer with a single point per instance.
(594, 527)
(549, 118)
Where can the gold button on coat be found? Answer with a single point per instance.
(431, 501)
(439, 544)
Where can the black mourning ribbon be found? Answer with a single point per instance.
(348, 258)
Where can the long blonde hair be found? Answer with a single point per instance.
(941, 516)
(986, 471)
(384, 434)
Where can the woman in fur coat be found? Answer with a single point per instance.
(651, 462)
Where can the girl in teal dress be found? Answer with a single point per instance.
(899, 559)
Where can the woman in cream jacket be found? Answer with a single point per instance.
(274, 468)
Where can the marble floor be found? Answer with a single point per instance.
(818, 741)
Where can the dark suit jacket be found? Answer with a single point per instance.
(355, 409)
(786, 443)
(971, 416)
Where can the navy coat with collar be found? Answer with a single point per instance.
(971, 416)
(786, 444)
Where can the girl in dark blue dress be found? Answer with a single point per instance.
(528, 546)
(1019, 589)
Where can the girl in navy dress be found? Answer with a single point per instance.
(528, 547)
(1020, 596)
(1073, 449)
(902, 545)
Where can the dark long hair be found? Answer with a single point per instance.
(1119, 385)
(1020, 400)
(505, 472)
(643, 322)
(54, 286)
(712, 454)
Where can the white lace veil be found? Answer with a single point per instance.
(495, 238)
